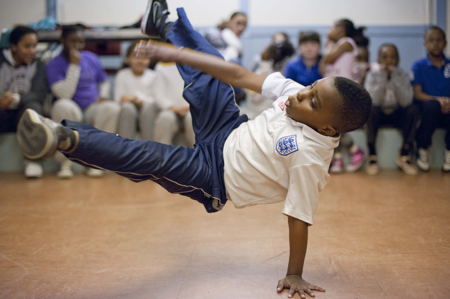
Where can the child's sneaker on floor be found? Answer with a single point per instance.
(372, 166)
(337, 164)
(154, 22)
(33, 170)
(446, 165)
(65, 172)
(406, 165)
(423, 161)
(95, 173)
(357, 157)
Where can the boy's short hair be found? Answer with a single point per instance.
(69, 29)
(18, 32)
(434, 27)
(308, 36)
(356, 104)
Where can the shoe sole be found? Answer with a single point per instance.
(145, 18)
(371, 171)
(65, 176)
(354, 168)
(35, 138)
(422, 167)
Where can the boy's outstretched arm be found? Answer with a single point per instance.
(218, 68)
(298, 242)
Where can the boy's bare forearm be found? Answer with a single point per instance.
(420, 95)
(218, 68)
(298, 243)
(225, 71)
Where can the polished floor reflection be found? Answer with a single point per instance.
(375, 237)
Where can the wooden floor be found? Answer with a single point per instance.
(375, 237)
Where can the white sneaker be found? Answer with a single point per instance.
(405, 164)
(423, 160)
(95, 173)
(33, 170)
(446, 165)
(65, 171)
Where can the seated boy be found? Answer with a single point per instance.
(283, 154)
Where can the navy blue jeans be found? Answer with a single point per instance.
(431, 119)
(196, 173)
(403, 118)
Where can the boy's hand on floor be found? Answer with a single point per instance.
(295, 284)
(157, 51)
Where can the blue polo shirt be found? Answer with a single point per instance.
(434, 81)
(299, 72)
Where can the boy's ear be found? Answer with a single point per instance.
(328, 131)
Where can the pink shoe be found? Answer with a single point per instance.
(357, 158)
(337, 164)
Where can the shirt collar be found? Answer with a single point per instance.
(9, 57)
(429, 63)
(312, 134)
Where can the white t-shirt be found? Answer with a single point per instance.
(128, 84)
(274, 158)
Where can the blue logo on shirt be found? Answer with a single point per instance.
(287, 145)
(447, 71)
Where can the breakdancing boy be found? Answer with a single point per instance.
(282, 155)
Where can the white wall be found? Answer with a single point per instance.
(203, 13)
(325, 12)
(262, 12)
(210, 12)
(13, 12)
(123, 12)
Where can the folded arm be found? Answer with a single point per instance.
(218, 68)
(333, 55)
(65, 89)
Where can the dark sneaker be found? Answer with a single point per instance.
(39, 136)
(154, 22)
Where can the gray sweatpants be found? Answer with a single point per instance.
(131, 118)
(168, 124)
